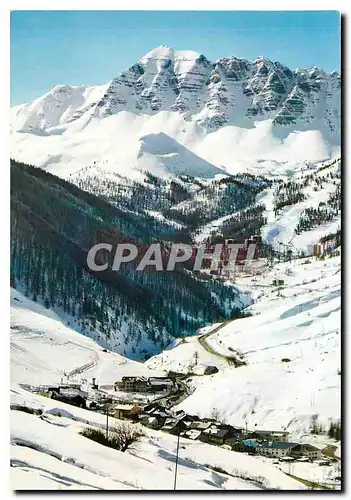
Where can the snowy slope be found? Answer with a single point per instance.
(280, 227)
(161, 154)
(47, 452)
(233, 113)
(44, 350)
(301, 322)
(186, 356)
(61, 105)
(115, 140)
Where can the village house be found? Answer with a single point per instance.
(157, 409)
(171, 425)
(198, 425)
(141, 384)
(154, 418)
(210, 370)
(151, 422)
(160, 414)
(246, 446)
(192, 434)
(322, 249)
(232, 440)
(306, 450)
(214, 435)
(104, 399)
(277, 282)
(160, 384)
(233, 432)
(180, 414)
(125, 411)
(150, 407)
(70, 396)
(175, 424)
(269, 435)
(275, 449)
(132, 384)
(234, 435)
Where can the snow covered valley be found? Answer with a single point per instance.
(291, 346)
(47, 451)
(178, 149)
(299, 322)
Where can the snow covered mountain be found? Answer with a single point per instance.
(54, 224)
(304, 209)
(176, 149)
(232, 112)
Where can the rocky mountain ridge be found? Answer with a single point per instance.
(230, 91)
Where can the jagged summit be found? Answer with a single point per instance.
(165, 52)
(231, 91)
(258, 110)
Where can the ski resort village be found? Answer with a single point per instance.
(178, 377)
(246, 425)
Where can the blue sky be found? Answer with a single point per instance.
(91, 47)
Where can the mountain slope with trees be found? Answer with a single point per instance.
(54, 224)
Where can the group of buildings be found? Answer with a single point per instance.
(243, 258)
(143, 384)
(70, 394)
(322, 249)
(278, 449)
(155, 416)
(268, 443)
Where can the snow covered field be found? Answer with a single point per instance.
(322, 474)
(126, 142)
(44, 349)
(299, 323)
(181, 357)
(47, 452)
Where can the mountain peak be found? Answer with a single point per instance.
(211, 95)
(165, 52)
(160, 52)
